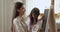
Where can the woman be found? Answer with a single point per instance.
(18, 23)
(33, 23)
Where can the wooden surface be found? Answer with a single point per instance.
(51, 19)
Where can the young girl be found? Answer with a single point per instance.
(34, 24)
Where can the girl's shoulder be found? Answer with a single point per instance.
(28, 19)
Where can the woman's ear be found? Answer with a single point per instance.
(17, 10)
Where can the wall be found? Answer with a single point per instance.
(7, 15)
(1, 15)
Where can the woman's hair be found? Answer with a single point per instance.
(34, 11)
(18, 5)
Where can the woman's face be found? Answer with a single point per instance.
(21, 10)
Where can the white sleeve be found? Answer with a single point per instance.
(18, 27)
(28, 23)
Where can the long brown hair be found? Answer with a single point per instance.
(34, 11)
(18, 5)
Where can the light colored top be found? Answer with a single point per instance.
(20, 25)
(35, 27)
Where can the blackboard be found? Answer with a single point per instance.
(45, 20)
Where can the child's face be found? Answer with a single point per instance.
(35, 16)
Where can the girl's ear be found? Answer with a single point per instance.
(32, 15)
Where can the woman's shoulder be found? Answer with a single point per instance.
(15, 20)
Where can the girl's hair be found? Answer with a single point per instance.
(34, 11)
(18, 5)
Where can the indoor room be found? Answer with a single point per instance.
(49, 10)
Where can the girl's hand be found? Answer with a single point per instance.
(39, 30)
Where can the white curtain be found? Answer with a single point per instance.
(41, 4)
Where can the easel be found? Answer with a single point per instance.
(49, 20)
